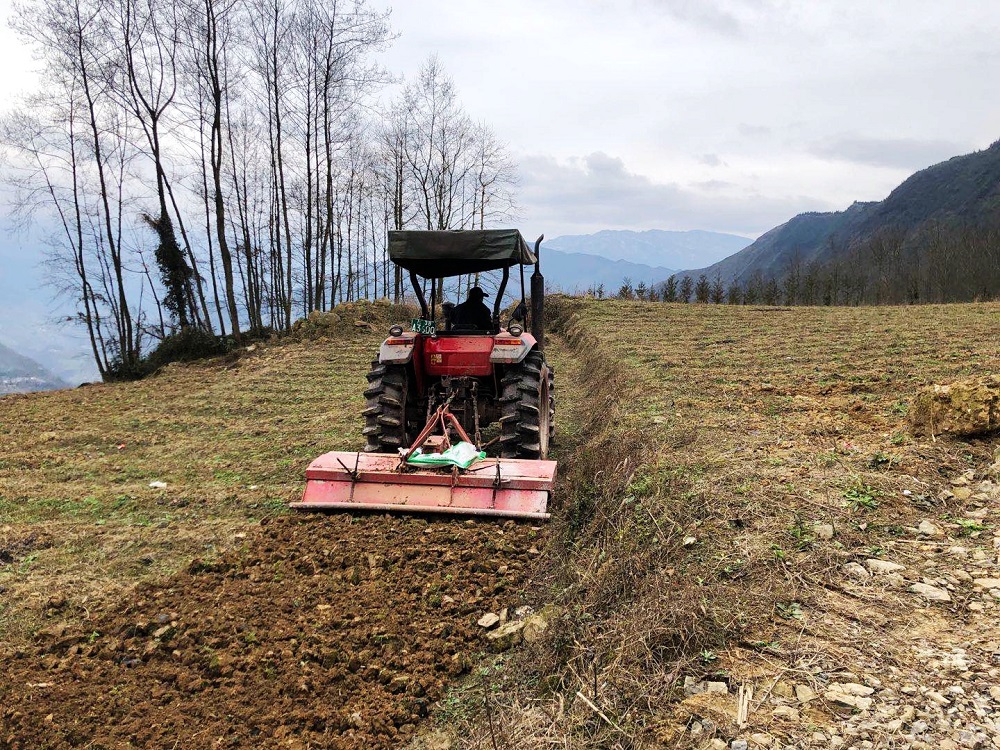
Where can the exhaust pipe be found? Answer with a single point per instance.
(538, 298)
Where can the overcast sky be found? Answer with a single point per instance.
(728, 115)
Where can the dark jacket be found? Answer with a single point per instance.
(472, 312)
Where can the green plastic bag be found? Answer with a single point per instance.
(462, 455)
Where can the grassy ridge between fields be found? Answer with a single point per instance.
(713, 441)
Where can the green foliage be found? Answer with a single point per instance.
(861, 496)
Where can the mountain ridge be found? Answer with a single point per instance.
(964, 189)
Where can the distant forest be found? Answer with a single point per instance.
(228, 165)
(938, 262)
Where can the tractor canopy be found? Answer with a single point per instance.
(436, 254)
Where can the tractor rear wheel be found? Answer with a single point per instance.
(527, 407)
(389, 401)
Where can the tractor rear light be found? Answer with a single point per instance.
(508, 342)
(399, 342)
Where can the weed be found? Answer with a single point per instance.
(861, 496)
(880, 461)
(803, 534)
(789, 610)
(968, 526)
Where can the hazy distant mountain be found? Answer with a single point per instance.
(578, 272)
(654, 247)
(18, 374)
(963, 191)
(29, 315)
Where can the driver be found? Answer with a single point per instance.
(473, 312)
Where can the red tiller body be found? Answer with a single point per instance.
(508, 487)
(457, 356)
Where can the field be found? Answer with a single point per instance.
(738, 488)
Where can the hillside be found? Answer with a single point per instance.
(19, 374)
(741, 513)
(653, 247)
(964, 190)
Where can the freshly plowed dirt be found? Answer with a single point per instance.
(320, 631)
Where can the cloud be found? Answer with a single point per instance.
(703, 14)
(598, 191)
(714, 185)
(753, 131)
(896, 153)
(711, 160)
(727, 17)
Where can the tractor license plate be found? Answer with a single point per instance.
(419, 325)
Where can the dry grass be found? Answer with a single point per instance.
(715, 439)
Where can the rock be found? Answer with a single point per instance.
(845, 699)
(506, 636)
(437, 739)
(929, 528)
(804, 693)
(965, 407)
(823, 530)
(689, 540)
(786, 712)
(716, 687)
(995, 693)
(761, 739)
(534, 628)
(883, 567)
(851, 688)
(158, 485)
(738, 745)
(716, 744)
(783, 690)
(938, 698)
(855, 570)
(987, 583)
(931, 593)
(489, 620)
(693, 686)
(919, 726)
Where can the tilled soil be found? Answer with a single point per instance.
(320, 631)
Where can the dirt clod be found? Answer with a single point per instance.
(273, 661)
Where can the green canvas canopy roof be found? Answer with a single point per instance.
(452, 252)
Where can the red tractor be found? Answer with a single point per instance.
(459, 372)
(487, 374)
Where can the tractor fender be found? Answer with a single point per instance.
(509, 350)
(398, 350)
